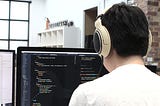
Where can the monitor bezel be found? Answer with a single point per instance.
(13, 73)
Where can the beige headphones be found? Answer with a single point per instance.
(102, 41)
(150, 42)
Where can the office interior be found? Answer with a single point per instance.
(63, 24)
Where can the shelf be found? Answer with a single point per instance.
(60, 37)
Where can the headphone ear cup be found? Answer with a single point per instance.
(97, 42)
(101, 39)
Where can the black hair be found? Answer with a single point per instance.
(128, 28)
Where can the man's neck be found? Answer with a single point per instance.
(113, 61)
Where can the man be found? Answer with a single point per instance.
(129, 82)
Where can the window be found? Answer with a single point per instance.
(14, 23)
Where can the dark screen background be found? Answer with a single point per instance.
(52, 78)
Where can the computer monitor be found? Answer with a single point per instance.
(153, 68)
(7, 72)
(48, 76)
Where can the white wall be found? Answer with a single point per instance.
(58, 10)
(108, 3)
(37, 19)
(72, 10)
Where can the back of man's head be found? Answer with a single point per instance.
(128, 29)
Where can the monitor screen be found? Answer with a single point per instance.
(153, 68)
(48, 76)
(7, 68)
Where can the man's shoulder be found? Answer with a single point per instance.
(95, 83)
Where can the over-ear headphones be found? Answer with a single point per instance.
(149, 43)
(101, 38)
(102, 41)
